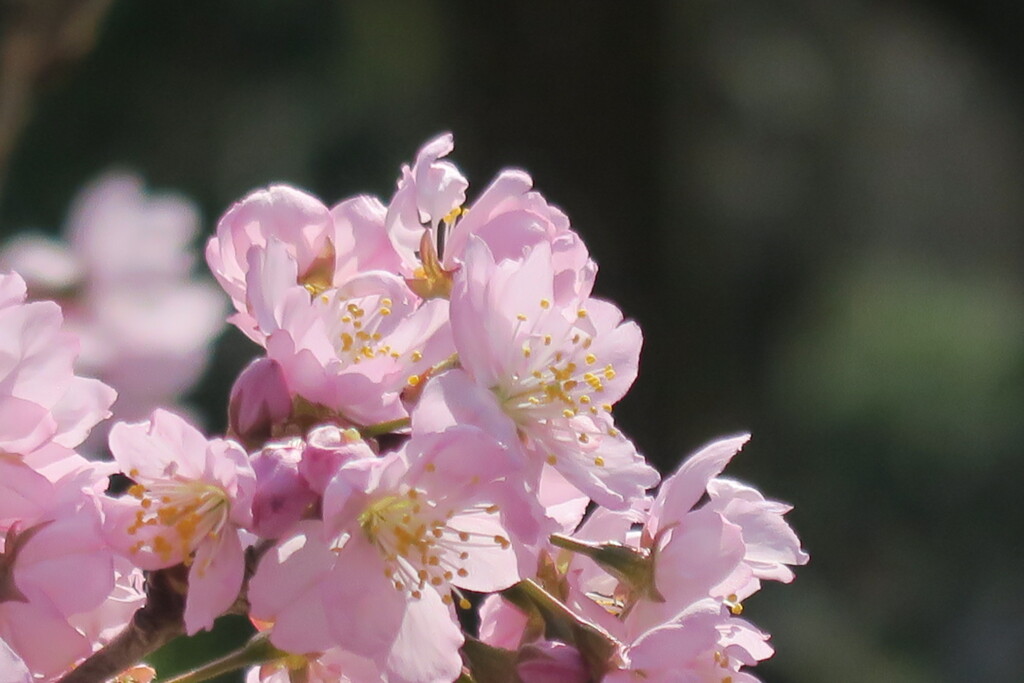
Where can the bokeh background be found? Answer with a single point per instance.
(814, 208)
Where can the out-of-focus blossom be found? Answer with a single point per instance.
(189, 500)
(124, 280)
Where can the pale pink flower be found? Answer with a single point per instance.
(552, 370)
(402, 534)
(704, 644)
(676, 615)
(325, 247)
(190, 498)
(507, 216)
(55, 566)
(44, 406)
(352, 348)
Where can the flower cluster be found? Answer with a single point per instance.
(425, 434)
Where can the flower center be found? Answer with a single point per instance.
(559, 377)
(187, 512)
(361, 326)
(421, 544)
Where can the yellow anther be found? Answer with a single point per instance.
(552, 460)
(590, 358)
(544, 303)
(414, 380)
(416, 356)
(599, 461)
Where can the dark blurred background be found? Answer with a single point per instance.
(814, 208)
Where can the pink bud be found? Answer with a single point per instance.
(327, 448)
(282, 496)
(259, 401)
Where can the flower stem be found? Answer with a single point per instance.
(153, 625)
(382, 428)
(257, 651)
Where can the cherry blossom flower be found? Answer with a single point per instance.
(189, 499)
(45, 408)
(352, 348)
(554, 371)
(403, 533)
(431, 229)
(55, 566)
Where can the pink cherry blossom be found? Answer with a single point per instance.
(55, 566)
(325, 248)
(43, 404)
(190, 498)
(507, 216)
(351, 349)
(701, 566)
(553, 370)
(402, 534)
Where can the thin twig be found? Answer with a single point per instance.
(154, 625)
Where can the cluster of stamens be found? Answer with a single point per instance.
(186, 513)
(563, 378)
(358, 336)
(420, 544)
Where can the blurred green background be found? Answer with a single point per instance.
(814, 208)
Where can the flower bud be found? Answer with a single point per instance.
(282, 496)
(328, 447)
(259, 401)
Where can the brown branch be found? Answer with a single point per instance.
(155, 624)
